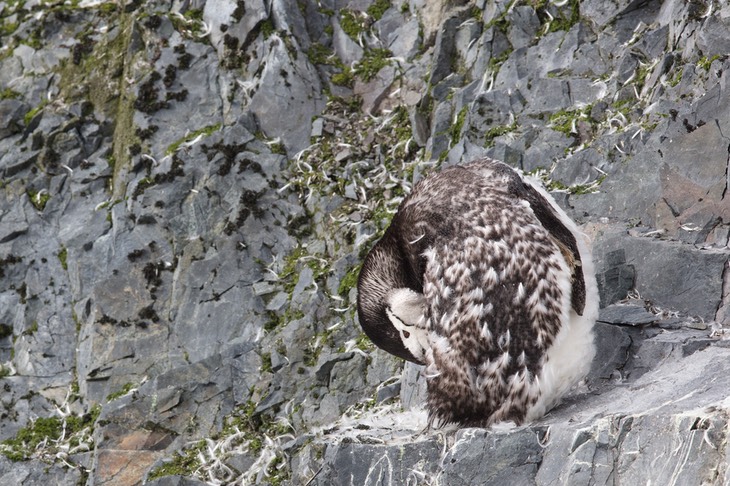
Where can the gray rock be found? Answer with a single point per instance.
(629, 315)
(445, 48)
(371, 465)
(559, 99)
(602, 13)
(402, 38)
(667, 273)
(36, 473)
(345, 47)
(713, 38)
(446, 87)
(613, 346)
(523, 26)
(276, 108)
(373, 92)
(481, 457)
(440, 139)
(221, 12)
(12, 112)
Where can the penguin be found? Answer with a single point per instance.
(483, 279)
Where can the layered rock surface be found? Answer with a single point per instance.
(188, 189)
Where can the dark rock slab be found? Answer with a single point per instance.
(36, 473)
(615, 277)
(627, 315)
(284, 107)
(12, 112)
(353, 463)
(667, 273)
(523, 25)
(445, 48)
(484, 457)
(613, 345)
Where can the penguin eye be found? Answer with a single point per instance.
(406, 334)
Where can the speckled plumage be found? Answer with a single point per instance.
(501, 294)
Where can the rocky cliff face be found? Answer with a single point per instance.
(188, 189)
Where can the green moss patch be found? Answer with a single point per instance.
(205, 131)
(45, 437)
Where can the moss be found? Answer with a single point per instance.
(75, 386)
(564, 21)
(364, 343)
(373, 60)
(292, 263)
(458, 125)
(496, 62)
(677, 78)
(100, 78)
(9, 94)
(29, 437)
(39, 199)
(62, 257)
(280, 320)
(267, 28)
(205, 131)
(500, 22)
(34, 39)
(266, 366)
(649, 127)
(190, 24)
(121, 392)
(590, 188)
(378, 8)
(33, 112)
(351, 23)
(108, 8)
(276, 474)
(277, 148)
(194, 14)
(497, 131)
(345, 78)
(243, 427)
(641, 74)
(349, 281)
(77, 323)
(7, 28)
(43, 432)
(564, 120)
(555, 185)
(32, 329)
(624, 107)
(705, 62)
(184, 463)
(319, 54)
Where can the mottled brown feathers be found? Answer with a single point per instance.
(500, 272)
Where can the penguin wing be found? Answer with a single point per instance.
(495, 299)
(556, 224)
(499, 176)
